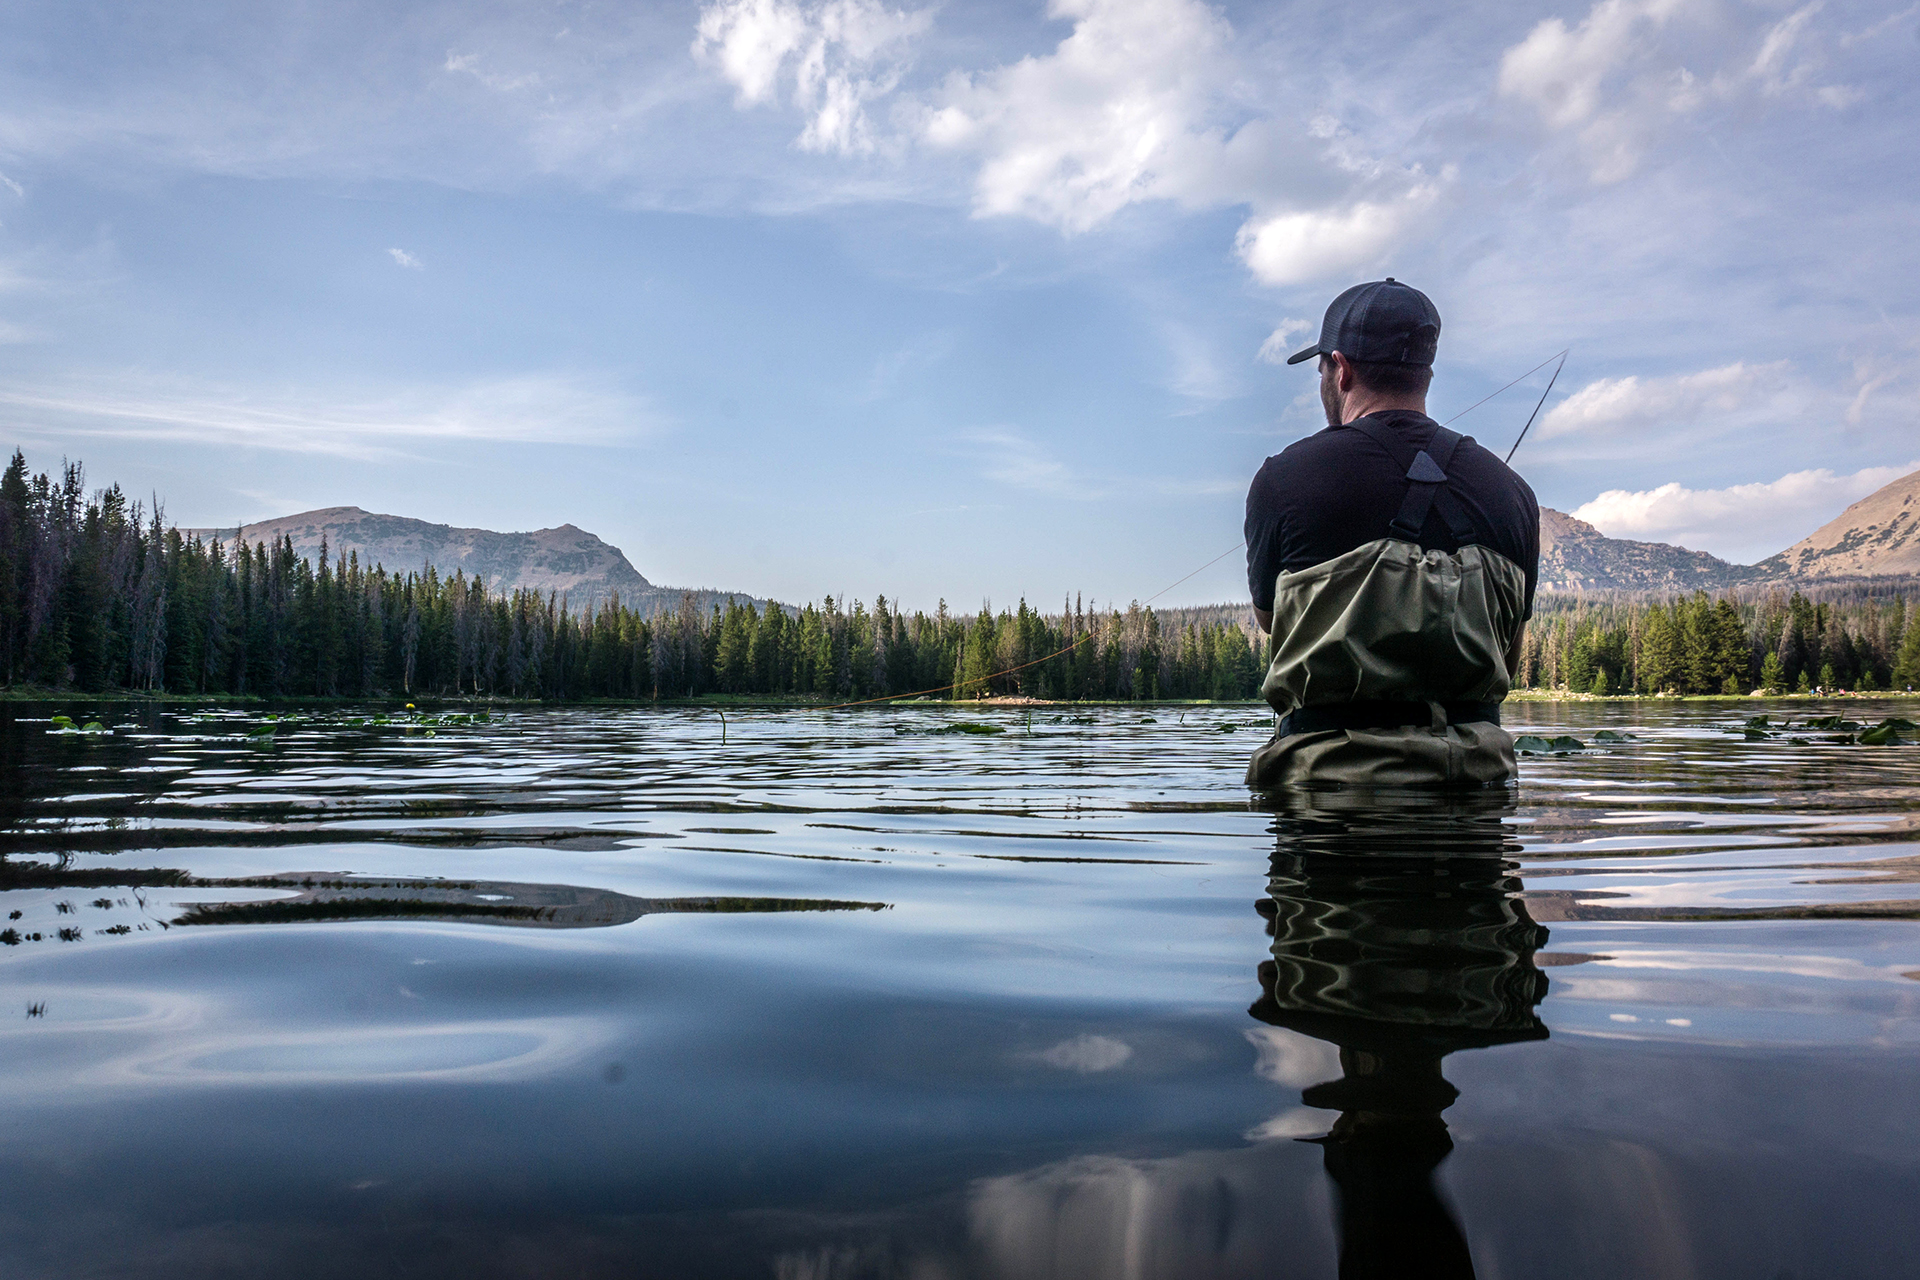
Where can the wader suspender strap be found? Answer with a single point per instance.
(1426, 480)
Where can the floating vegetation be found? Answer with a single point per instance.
(965, 726)
(69, 935)
(65, 724)
(1839, 731)
(264, 730)
(9, 937)
(1611, 735)
(1887, 733)
(1528, 744)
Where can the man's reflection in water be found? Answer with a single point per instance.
(1398, 938)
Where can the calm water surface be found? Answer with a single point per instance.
(585, 992)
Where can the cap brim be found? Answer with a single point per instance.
(1308, 354)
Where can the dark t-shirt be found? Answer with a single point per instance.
(1325, 495)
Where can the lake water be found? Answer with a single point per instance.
(601, 992)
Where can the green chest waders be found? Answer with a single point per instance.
(1388, 663)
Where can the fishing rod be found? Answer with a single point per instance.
(1541, 403)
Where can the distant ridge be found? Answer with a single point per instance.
(1575, 557)
(566, 561)
(1876, 540)
(1876, 537)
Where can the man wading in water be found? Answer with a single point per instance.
(1394, 562)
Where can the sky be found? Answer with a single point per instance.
(962, 301)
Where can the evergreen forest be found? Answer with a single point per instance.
(99, 595)
(1778, 641)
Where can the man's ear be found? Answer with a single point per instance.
(1342, 373)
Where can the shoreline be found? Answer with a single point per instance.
(725, 702)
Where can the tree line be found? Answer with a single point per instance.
(98, 594)
(1779, 641)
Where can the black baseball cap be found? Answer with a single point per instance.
(1380, 322)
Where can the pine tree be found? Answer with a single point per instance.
(1906, 667)
(1659, 653)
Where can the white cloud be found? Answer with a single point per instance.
(1631, 403)
(1281, 342)
(838, 56)
(402, 258)
(1743, 522)
(1289, 1058)
(1617, 79)
(1299, 1122)
(1087, 1054)
(1291, 248)
(1561, 72)
(1146, 100)
(542, 408)
(1072, 137)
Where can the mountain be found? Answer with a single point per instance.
(1878, 536)
(567, 561)
(1575, 556)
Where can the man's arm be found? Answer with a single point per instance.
(1263, 532)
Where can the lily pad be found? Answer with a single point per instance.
(1885, 734)
(1614, 735)
(1834, 722)
(1528, 744)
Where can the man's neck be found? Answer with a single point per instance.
(1362, 402)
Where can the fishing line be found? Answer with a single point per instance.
(1537, 407)
(1561, 357)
